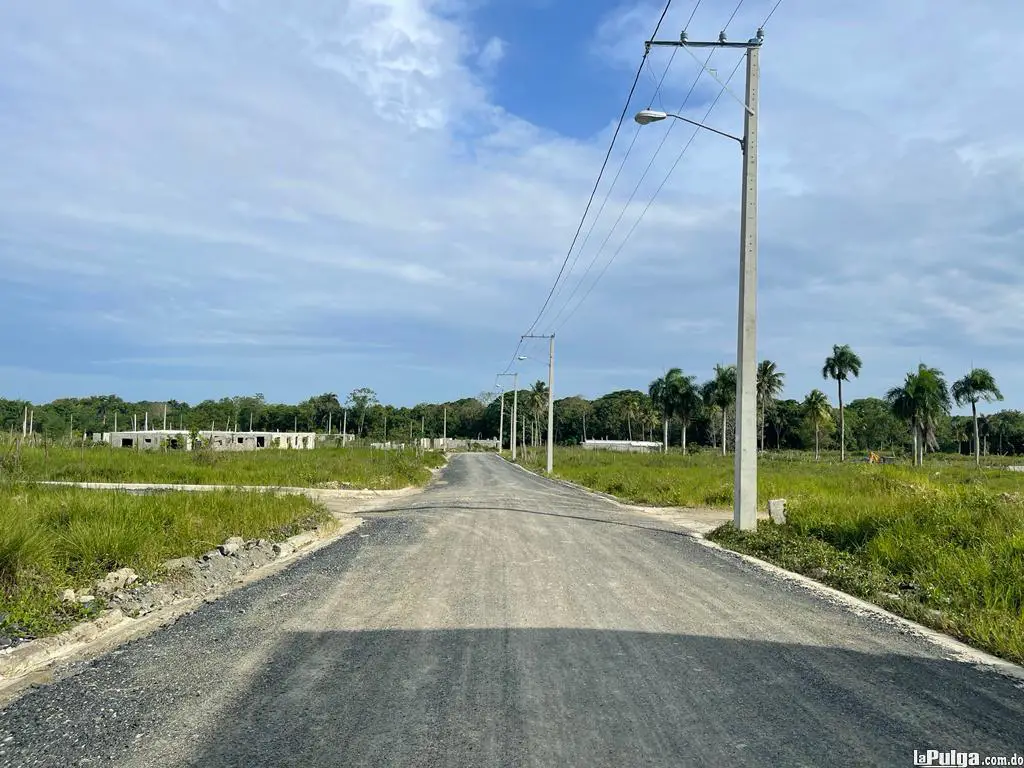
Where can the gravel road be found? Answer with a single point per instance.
(501, 619)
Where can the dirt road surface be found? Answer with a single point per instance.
(499, 619)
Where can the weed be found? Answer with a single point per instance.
(56, 538)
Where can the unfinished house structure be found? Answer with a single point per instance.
(623, 446)
(217, 440)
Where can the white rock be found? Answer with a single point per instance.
(86, 599)
(231, 546)
(777, 510)
(283, 548)
(115, 580)
(68, 596)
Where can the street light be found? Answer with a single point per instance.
(648, 116)
(745, 473)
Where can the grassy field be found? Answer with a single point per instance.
(942, 544)
(57, 538)
(323, 467)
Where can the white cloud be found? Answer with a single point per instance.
(491, 54)
(344, 169)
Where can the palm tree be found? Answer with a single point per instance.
(923, 397)
(769, 386)
(662, 392)
(818, 411)
(686, 401)
(840, 366)
(707, 397)
(958, 427)
(634, 412)
(976, 385)
(651, 420)
(724, 396)
(538, 399)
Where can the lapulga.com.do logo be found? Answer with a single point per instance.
(952, 757)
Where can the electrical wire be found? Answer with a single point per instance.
(604, 165)
(593, 192)
(636, 187)
(664, 180)
(651, 201)
(636, 133)
(771, 13)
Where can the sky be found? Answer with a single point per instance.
(200, 199)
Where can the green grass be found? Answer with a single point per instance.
(57, 538)
(355, 467)
(942, 544)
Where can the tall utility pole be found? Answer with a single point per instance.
(444, 433)
(515, 403)
(745, 471)
(551, 397)
(501, 423)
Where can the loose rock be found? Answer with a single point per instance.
(115, 580)
(231, 546)
(283, 548)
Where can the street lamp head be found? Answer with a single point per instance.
(522, 357)
(647, 116)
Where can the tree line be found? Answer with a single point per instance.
(676, 409)
(916, 414)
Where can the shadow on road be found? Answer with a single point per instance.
(551, 697)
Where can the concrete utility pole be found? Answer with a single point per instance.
(165, 417)
(515, 403)
(344, 425)
(551, 398)
(444, 434)
(745, 471)
(501, 423)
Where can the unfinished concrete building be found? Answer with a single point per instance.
(217, 440)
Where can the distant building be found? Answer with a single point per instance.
(218, 440)
(625, 446)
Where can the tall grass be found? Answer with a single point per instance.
(56, 538)
(943, 544)
(355, 467)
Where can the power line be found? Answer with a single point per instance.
(679, 157)
(593, 192)
(771, 13)
(636, 187)
(604, 164)
(618, 172)
(663, 182)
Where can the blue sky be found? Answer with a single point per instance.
(212, 198)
